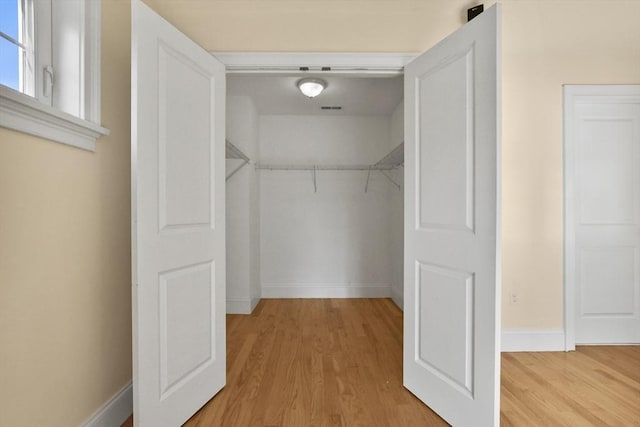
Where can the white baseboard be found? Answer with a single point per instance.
(239, 306)
(273, 290)
(254, 303)
(514, 340)
(115, 411)
(398, 297)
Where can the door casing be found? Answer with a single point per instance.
(570, 92)
(355, 64)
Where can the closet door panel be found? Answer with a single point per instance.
(452, 225)
(178, 230)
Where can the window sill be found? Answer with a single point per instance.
(26, 114)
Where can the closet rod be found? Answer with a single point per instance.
(323, 167)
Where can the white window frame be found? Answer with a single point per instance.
(42, 115)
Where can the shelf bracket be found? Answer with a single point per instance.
(315, 184)
(246, 162)
(366, 186)
(398, 186)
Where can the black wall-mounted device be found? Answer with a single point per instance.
(474, 11)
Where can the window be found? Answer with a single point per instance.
(16, 47)
(50, 69)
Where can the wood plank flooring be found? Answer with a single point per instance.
(338, 362)
(593, 386)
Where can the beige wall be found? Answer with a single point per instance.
(64, 213)
(547, 44)
(65, 304)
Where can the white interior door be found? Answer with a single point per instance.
(178, 117)
(602, 190)
(452, 224)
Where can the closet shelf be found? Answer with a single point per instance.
(234, 153)
(389, 162)
(321, 167)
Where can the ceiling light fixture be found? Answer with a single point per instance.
(311, 87)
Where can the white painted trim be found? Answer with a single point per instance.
(26, 114)
(115, 411)
(533, 340)
(398, 297)
(359, 63)
(571, 95)
(35, 115)
(254, 303)
(91, 88)
(239, 306)
(288, 290)
(569, 226)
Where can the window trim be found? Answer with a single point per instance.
(31, 115)
(26, 114)
(92, 77)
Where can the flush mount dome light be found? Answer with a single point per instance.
(311, 87)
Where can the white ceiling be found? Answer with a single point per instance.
(360, 96)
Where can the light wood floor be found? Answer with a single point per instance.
(338, 362)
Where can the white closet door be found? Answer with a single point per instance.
(602, 160)
(178, 144)
(452, 255)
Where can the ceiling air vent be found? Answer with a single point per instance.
(331, 107)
